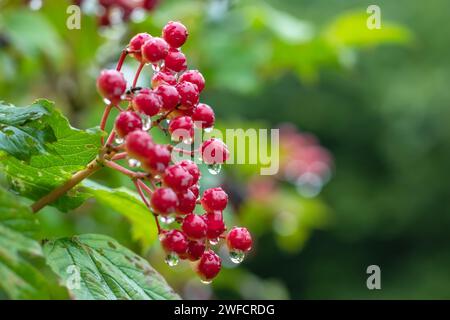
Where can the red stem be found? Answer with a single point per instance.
(138, 72)
(139, 186)
(105, 115)
(121, 169)
(122, 59)
(119, 156)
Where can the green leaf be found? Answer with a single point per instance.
(106, 269)
(70, 152)
(19, 279)
(23, 131)
(128, 204)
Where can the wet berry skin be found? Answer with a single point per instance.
(215, 225)
(112, 85)
(178, 178)
(147, 102)
(127, 122)
(174, 241)
(169, 95)
(209, 265)
(175, 61)
(192, 168)
(239, 239)
(175, 33)
(195, 190)
(181, 128)
(195, 250)
(163, 77)
(214, 151)
(203, 116)
(214, 199)
(164, 201)
(158, 159)
(154, 50)
(138, 145)
(189, 95)
(136, 43)
(194, 227)
(186, 202)
(195, 77)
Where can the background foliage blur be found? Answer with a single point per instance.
(374, 98)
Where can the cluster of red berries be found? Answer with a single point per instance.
(111, 11)
(168, 187)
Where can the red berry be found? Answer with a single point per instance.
(127, 122)
(147, 102)
(136, 43)
(189, 95)
(154, 50)
(195, 250)
(175, 33)
(214, 199)
(139, 144)
(163, 77)
(181, 128)
(112, 85)
(174, 241)
(158, 159)
(214, 151)
(203, 115)
(169, 95)
(195, 77)
(215, 224)
(192, 168)
(149, 4)
(209, 265)
(195, 190)
(164, 201)
(175, 61)
(194, 226)
(178, 178)
(186, 202)
(239, 239)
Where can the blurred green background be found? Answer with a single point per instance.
(375, 99)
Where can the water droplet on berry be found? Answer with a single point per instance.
(134, 163)
(118, 140)
(106, 101)
(214, 169)
(188, 140)
(237, 256)
(214, 242)
(209, 130)
(206, 281)
(146, 123)
(172, 259)
(167, 219)
(156, 67)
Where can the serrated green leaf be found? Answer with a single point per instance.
(18, 278)
(128, 204)
(105, 269)
(71, 151)
(23, 131)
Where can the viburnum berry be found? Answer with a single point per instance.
(214, 199)
(195, 250)
(203, 115)
(138, 145)
(126, 122)
(175, 60)
(175, 33)
(195, 190)
(186, 201)
(192, 168)
(189, 95)
(209, 266)
(178, 178)
(163, 77)
(136, 43)
(112, 85)
(194, 227)
(215, 225)
(181, 128)
(158, 159)
(174, 241)
(214, 151)
(195, 77)
(164, 201)
(169, 95)
(147, 102)
(239, 239)
(154, 50)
